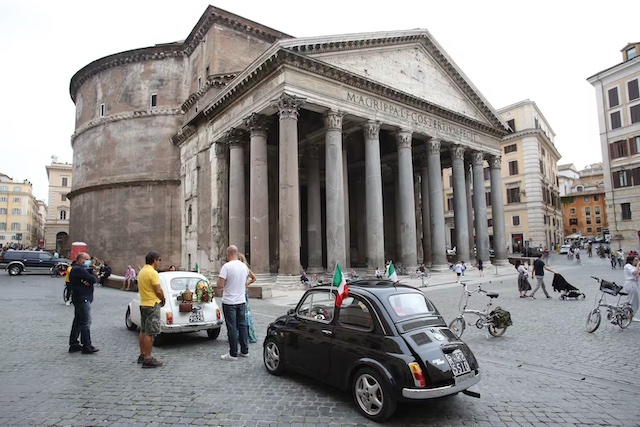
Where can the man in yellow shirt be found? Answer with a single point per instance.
(151, 299)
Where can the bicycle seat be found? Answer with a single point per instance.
(492, 295)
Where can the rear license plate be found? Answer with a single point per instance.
(196, 316)
(458, 363)
(469, 376)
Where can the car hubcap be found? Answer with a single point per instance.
(369, 394)
(272, 356)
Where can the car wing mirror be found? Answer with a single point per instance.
(291, 311)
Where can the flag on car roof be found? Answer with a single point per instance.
(341, 283)
(392, 273)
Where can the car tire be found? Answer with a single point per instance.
(373, 396)
(14, 270)
(272, 357)
(213, 333)
(127, 321)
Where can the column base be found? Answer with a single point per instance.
(501, 262)
(285, 281)
(439, 268)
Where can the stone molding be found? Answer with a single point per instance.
(403, 139)
(183, 134)
(258, 124)
(433, 146)
(495, 162)
(288, 106)
(457, 152)
(121, 184)
(123, 116)
(333, 120)
(371, 130)
(478, 158)
(220, 80)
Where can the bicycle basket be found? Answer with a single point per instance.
(610, 287)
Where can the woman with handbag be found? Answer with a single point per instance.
(523, 279)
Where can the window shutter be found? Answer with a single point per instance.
(616, 179)
(612, 153)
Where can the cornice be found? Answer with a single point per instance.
(137, 183)
(532, 132)
(183, 134)
(124, 116)
(212, 81)
(312, 65)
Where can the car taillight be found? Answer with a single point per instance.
(218, 313)
(169, 318)
(418, 376)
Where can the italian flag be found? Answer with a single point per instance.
(340, 282)
(392, 273)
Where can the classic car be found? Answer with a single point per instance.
(387, 343)
(200, 313)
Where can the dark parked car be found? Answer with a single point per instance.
(387, 343)
(17, 261)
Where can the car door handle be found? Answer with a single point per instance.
(327, 332)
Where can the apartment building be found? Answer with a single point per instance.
(20, 222)
(58, 214)
(618, 102)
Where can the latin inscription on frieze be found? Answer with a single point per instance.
(416, 117)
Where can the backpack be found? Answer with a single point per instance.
(501, 318)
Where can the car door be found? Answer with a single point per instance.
(31, 259)
(309, 334)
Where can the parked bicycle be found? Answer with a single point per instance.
(496, 320)
(422, 275)
(619, 314)
(59, 270)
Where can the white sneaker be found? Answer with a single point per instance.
(241, 354)
(67, 303)
(228, 357)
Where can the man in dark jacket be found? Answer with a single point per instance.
(82, 282)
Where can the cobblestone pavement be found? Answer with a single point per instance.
(545, 370)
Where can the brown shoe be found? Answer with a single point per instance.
(151, 363)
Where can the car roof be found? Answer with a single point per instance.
(172, 274)
(379, 288)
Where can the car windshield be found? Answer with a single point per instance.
(410, 304)
(181, 283)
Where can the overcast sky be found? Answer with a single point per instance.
(543, 51)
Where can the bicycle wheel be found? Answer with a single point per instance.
(53, 272)
(624, 317)
(495, 331)
(66, 293)
(457, 326)
(593, 321)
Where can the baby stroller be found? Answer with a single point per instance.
(566, 290)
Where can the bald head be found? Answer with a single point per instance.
(232, 253)
(82, 257)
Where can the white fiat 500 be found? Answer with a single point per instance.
(201, 313)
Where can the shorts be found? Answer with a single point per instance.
(150, 320)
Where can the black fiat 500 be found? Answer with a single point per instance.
(387, 343)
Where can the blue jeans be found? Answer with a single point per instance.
(236, 322)
(81, 324)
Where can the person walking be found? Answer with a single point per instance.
(632, 284)
(613, 257)
(523, 279)
(232, 280)
(458, 269)
(82, 296)
(151, 300)
(538, 271)
(620, 257)
(67, 284)
(480, 268)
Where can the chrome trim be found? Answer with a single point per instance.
(190, 327)
(432, 393)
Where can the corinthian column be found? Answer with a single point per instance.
(334, 181)
(373, 196)
(288, 190)
(497, 207)
(259, 193)
(436, 207)
(237, 221)
(460, 204)
(314, 214)
(408, 249)
(480, 208)
(345, 175)
(426, 217)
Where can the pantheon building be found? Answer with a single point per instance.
(303, 152)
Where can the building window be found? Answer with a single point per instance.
(512, 124)
(487, 198)
(632, 88)
(487, 174)
(3, 211)
(3, 199)
(573, 221)
(635, 113)
(4, 188)
(626, 210)
(513, 167)
(16, 225)
(542, 168)
(618, 149)
(598, 229)
(588, 220)
(15, 211)
(17, 189)
(449, 203)
(596, 198)
(515, 220)
(101, 110)
(621, 179)
(589, 229)
(199, 82)
(206, 73)
(513, 195)
(574, 230)
(631, 53)
(189, 215)
(451, 180)
(598, 220)
(3, 225)
(615, 120)
(613, 97)
(634, 145)
(154, 100)
(16, 200)
(490, 222)
(597, 210)
(65, 182)
(510, 148)
(63, 197)
(63, 214)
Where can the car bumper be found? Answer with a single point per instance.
(190, 327)
(432, 393)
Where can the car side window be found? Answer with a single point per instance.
(355, 313)
(318, 305)
(45, 257)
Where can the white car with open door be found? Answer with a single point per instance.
(190, 305)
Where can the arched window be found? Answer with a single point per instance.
(63, 214)
(189, 215)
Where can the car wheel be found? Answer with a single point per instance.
(213, 333)
(272, 357)
(457, 326)
(372, 394)
(127, 321)
(14, 270)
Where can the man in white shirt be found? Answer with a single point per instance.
(233, 280)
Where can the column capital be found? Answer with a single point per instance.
(236, 138)
(371, 130)
(288, 106)
(403, 138)
(333, 120)
(478, 158)
(433, 146)
(457, 152)
(495, 162)
(257, 124)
